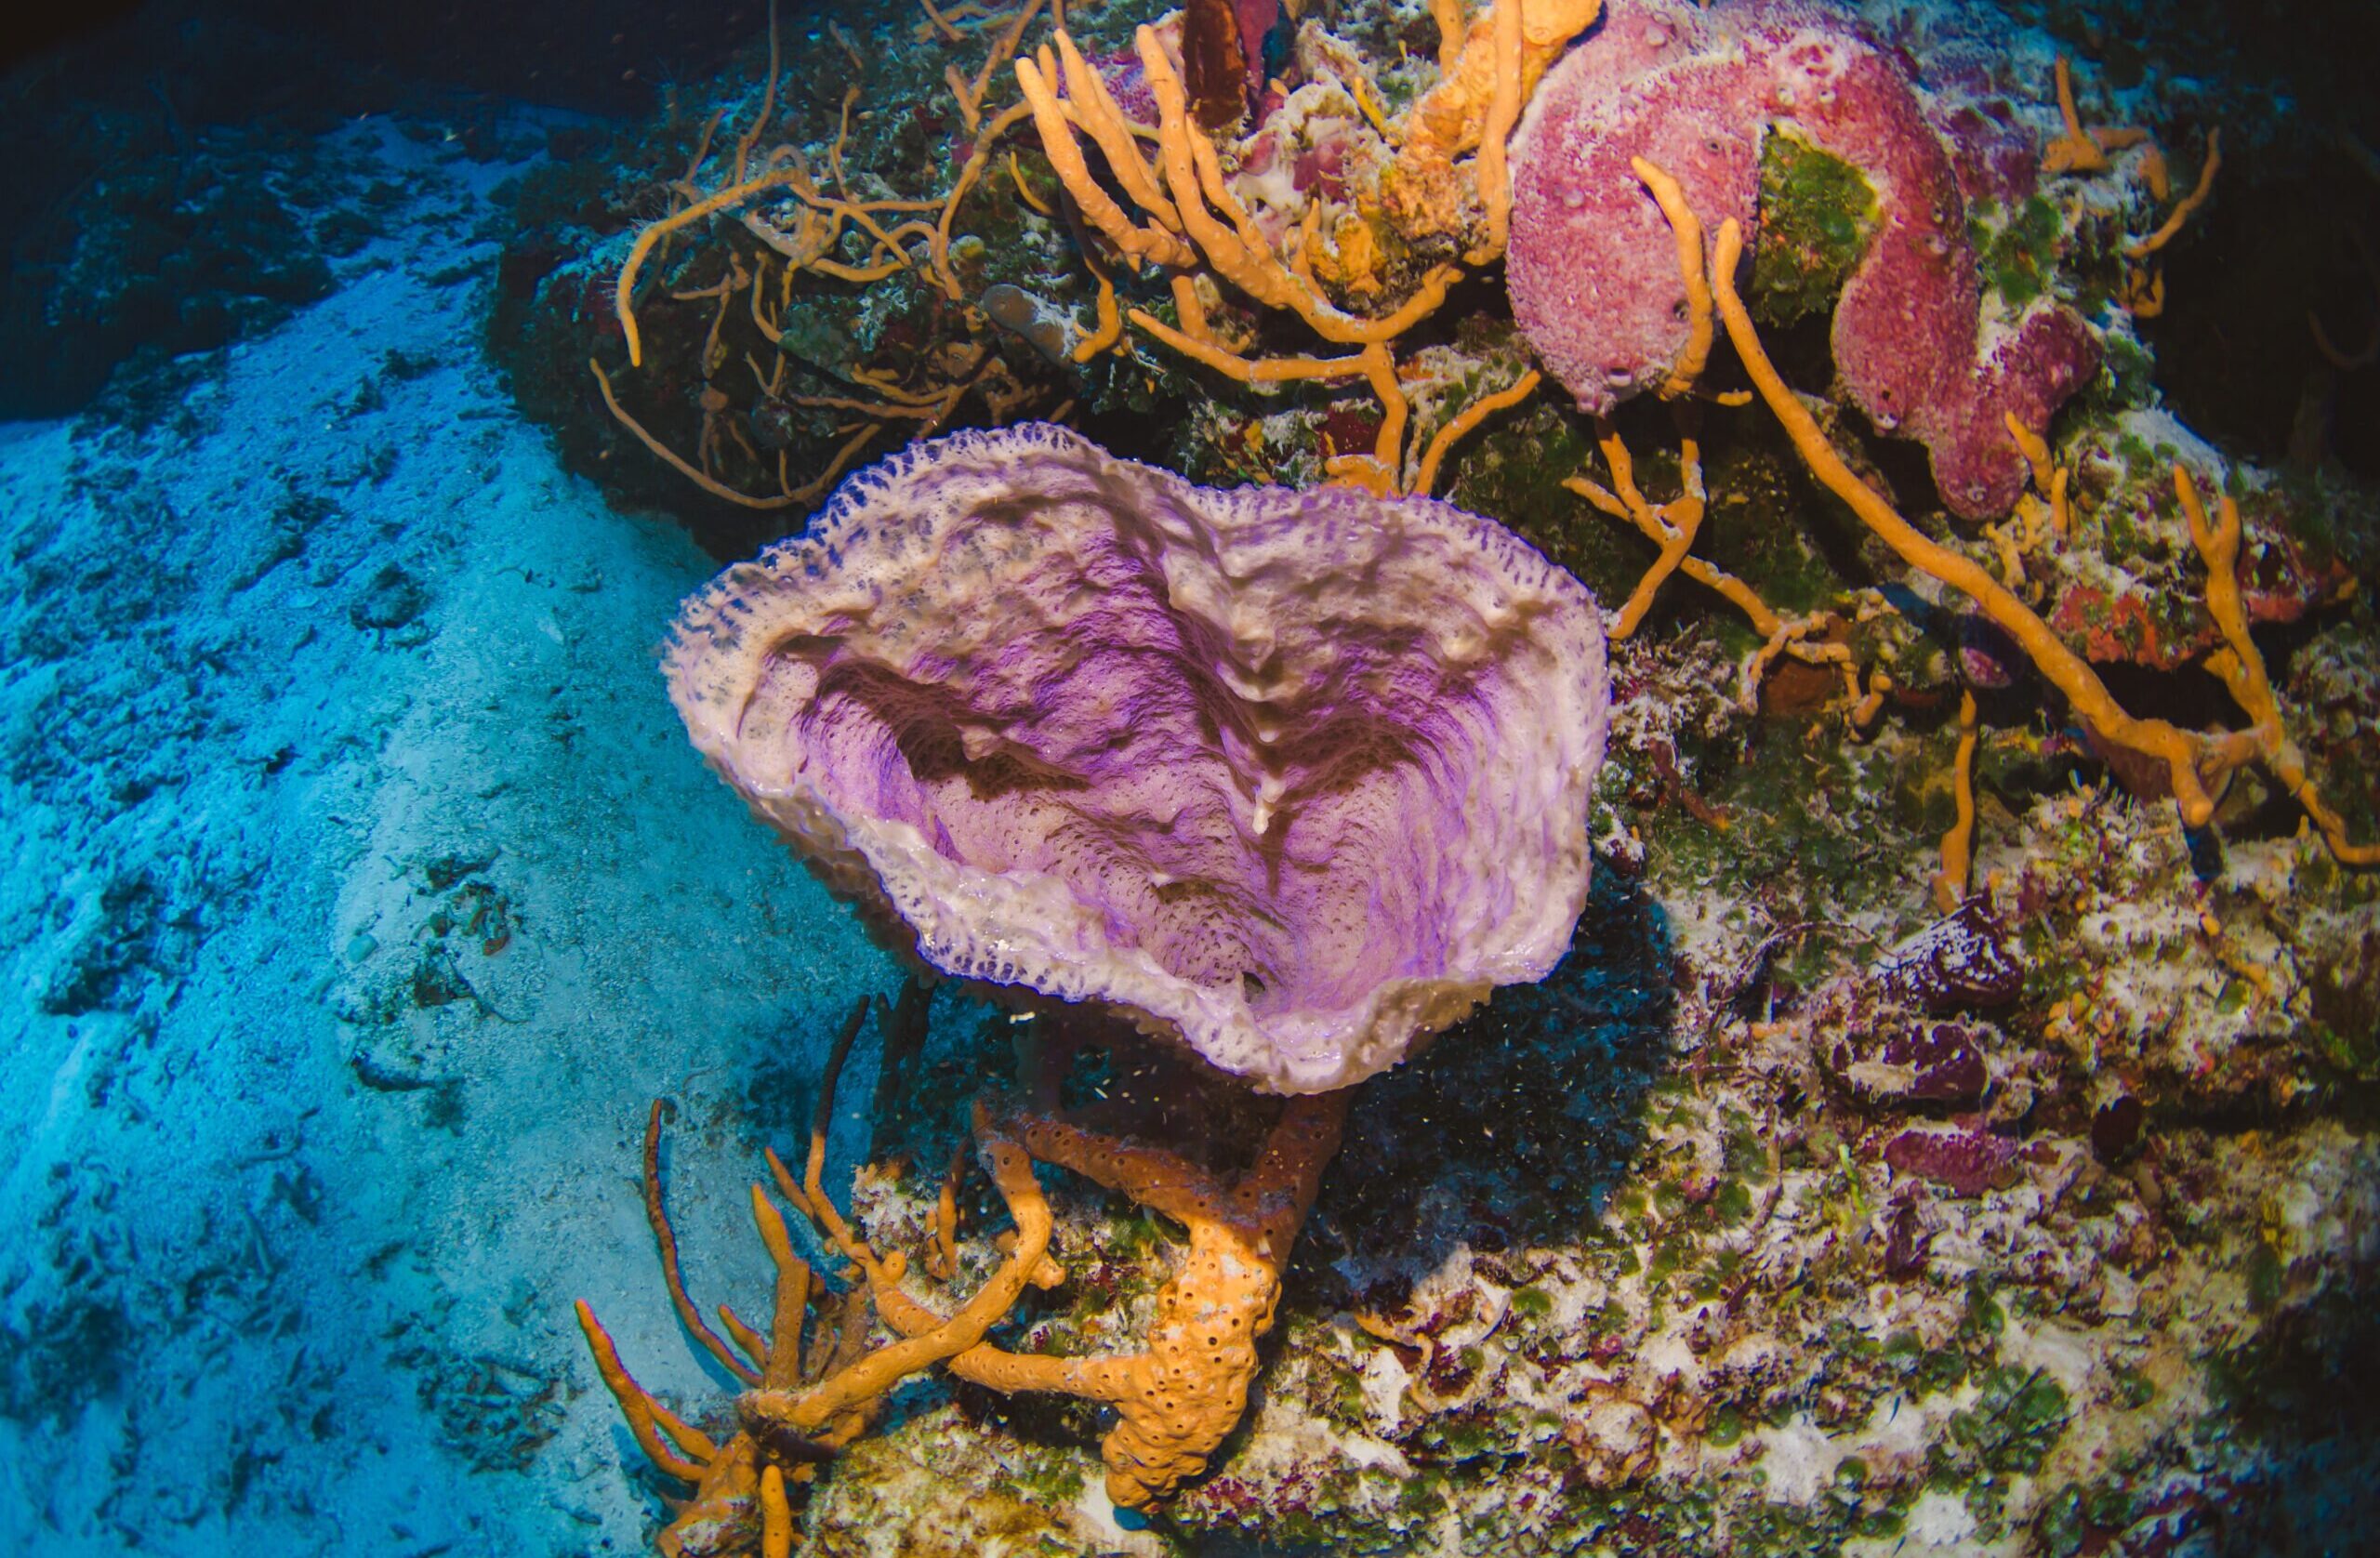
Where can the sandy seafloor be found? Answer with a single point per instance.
(289, 1256)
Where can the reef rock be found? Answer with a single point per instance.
(1593, 268)
(1959, 963)
(1294, 776)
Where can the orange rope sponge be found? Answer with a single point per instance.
(1672, 527)
(1958, 845)
(1372, 364)
(1687, 229)
(1463, 421)
(1177, 1400)
(2078, 150)
(2141, 248)
(2243, 668)
(2182, 752)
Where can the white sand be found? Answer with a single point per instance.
(247, 1299)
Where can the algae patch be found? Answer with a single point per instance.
(1817, 214)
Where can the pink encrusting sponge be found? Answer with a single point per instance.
(1593, 268)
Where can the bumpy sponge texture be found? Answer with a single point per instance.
(1695, 90)
(1296, 777)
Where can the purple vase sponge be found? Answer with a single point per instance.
(1592, 267)
(1296, 777)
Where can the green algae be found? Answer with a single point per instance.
(1513, 471)
(1817, 215)
(2127, 375)
(1800, 856)
(2079, 1515)
(2018, 1417)
(2019, 255)
(1761, 529)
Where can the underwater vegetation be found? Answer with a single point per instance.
(1585, 776)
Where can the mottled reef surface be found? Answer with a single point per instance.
(1807, 1207)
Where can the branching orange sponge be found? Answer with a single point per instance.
(2197, 763)
(807, 1401)
(1176, 1401)
(1189, 219)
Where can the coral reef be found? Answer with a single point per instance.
(1985, 842)
(1298, 778)
(1950, 1127)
